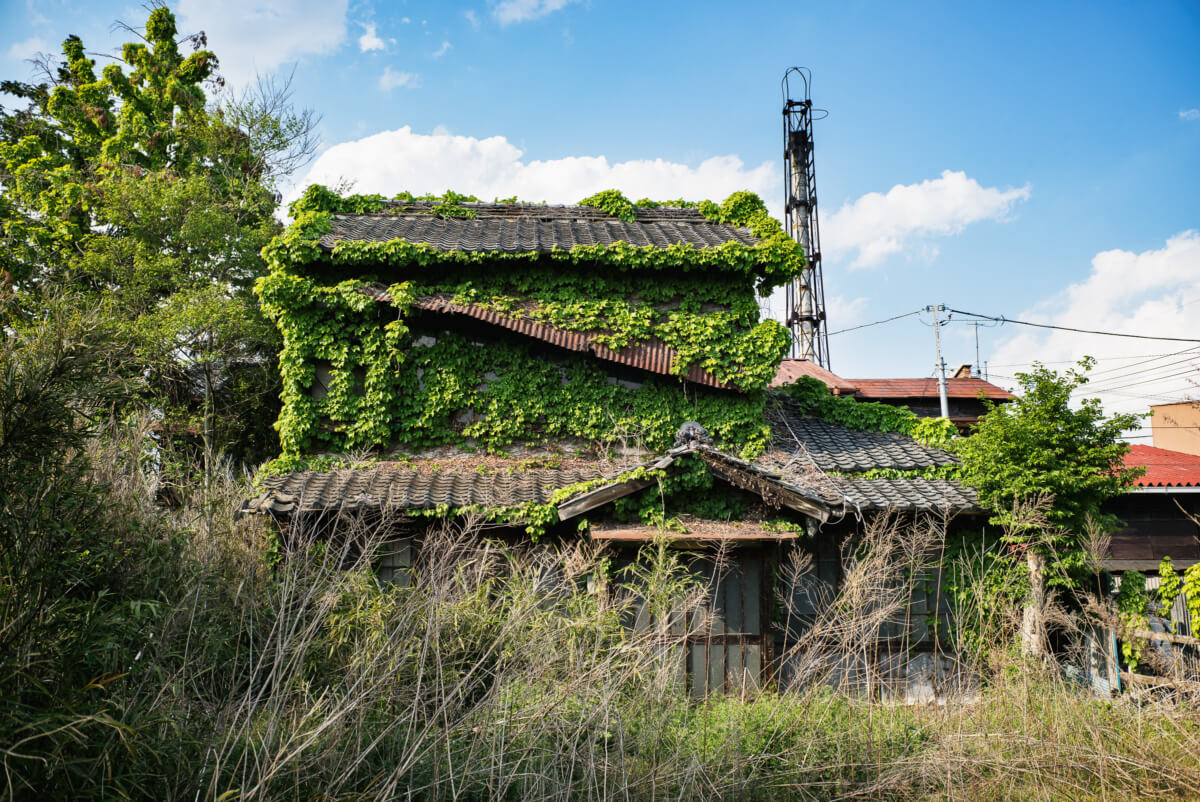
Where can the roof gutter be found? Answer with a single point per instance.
(1168, 490)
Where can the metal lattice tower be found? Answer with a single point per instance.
(806, 293)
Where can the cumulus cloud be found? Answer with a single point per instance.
(27, 48)
(1155, 292)
(1189, 114)
(370, 39)
(441, 51)
(507, 12)
(472, 18)
(394, 79)
(256, 36)
(391, 161)
(879, 225)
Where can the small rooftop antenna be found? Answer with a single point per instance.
(805, 293)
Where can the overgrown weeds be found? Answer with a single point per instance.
(176, 652)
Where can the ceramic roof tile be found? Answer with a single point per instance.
(832, 447)
(524, 228)
(397, 486)
(905, 495)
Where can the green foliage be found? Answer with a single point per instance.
(985, 582)
(1132, 607)
(613, 203)
(1169, 587)
(1191, 593)
(384, 389)
(127, 187)
(1040, 444)
(317, 198)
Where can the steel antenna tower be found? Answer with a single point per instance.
(806, 293)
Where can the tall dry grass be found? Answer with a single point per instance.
(501, 672)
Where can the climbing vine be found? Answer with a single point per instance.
(1191, 594)
(1132, 607)
(356, 379)
(1169, 586)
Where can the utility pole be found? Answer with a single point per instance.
(978, 369)
(940, 367)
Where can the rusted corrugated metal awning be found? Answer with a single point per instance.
(652, 356)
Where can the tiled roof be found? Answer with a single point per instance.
(792, 369)
(1164, 468)
(397, 486)
(869, 389)
(906, 495)
(525, 228)
(832, 447)
(652, 356)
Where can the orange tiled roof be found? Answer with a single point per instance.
(792, 369)
(1164, 468)
(869, 389)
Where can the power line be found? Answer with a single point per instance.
(876, 323)
(1158, 374)
(1003, 319)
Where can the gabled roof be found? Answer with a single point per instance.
(531, 228)
(1164, 468)
(833, 447)
(419, 485)
(792, 369)
(790, 478)
(652, 356)
(872, 389)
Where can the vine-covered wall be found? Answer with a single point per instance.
(387, 386)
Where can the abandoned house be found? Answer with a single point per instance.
(593, 371)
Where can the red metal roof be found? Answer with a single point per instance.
(1164, 468)
(869, 389)
(792, 369)
(652, 356)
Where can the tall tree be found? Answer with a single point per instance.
(1041, 446)
(130, 187)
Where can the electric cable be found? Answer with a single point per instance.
(1003, 319)
(876, 323)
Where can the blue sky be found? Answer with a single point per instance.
(1034, 160)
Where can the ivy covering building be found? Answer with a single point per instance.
(598, 370)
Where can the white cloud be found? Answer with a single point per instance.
(27, 48)
(391, 161)
(876, 225)
(1189, 114)
(1155, 292)
(405, 21)
(441, 51)
(256, 36)
(510, 11)
(394, 79)
(370, 40)
(472, 18)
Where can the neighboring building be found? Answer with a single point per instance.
(965, 394)
(1160, 513)
(560, 371)
(1176, 426)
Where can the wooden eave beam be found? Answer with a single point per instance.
(600, 496)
